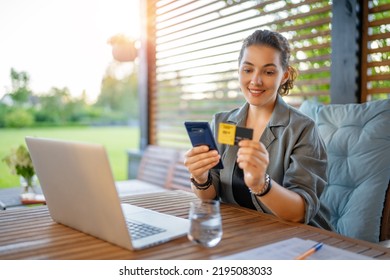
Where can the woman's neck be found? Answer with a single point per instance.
(258, 118)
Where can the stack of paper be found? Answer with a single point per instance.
(289, 249)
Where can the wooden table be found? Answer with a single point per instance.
(30, 233)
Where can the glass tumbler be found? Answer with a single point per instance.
(206, 223)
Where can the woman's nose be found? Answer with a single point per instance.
(256, 80)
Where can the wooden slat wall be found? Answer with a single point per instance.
(197, 46)
(375, 66)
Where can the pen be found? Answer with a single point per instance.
(310, 252)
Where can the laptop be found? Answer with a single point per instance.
(80, 192)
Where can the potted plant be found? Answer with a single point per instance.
(123, 48)
(19, 162)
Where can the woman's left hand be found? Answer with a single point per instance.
(253, 158)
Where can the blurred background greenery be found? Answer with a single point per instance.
(117, 103)
(116, 139)
(62, 80)
(112, 120)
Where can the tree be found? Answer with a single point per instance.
(119, 93)
(20, 87)
(57, 107)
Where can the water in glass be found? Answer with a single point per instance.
(206, 224)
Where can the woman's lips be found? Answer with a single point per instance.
(256, 91)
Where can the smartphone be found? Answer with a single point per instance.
(200, 134)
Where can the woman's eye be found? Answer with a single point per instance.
(246, 70)
(270, 73)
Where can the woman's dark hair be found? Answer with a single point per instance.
(279, 42)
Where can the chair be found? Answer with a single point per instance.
(357, 139)
(152, 173)
(155, 165)
(179, 176)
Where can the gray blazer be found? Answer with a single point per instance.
(297, 158)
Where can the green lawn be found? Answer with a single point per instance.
(116, 140)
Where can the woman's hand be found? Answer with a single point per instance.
(199, 160)
(253, 159)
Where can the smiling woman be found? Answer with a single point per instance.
(62, 43)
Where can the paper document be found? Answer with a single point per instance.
(289, 249)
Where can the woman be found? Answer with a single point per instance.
(282, 170)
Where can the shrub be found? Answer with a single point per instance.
(19, 118)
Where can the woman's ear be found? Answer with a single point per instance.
(286, 76)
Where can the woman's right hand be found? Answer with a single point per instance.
(199, 160)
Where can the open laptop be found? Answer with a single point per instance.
(80, 192)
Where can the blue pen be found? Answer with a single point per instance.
(310, 252)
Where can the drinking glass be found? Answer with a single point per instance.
(206, 223)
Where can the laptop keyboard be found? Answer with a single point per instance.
(140, 230)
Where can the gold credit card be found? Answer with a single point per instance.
(231, 134)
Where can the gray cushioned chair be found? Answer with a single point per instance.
(357, 139)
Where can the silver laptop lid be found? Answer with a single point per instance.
(79, 188)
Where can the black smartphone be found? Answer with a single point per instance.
(200, 134)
